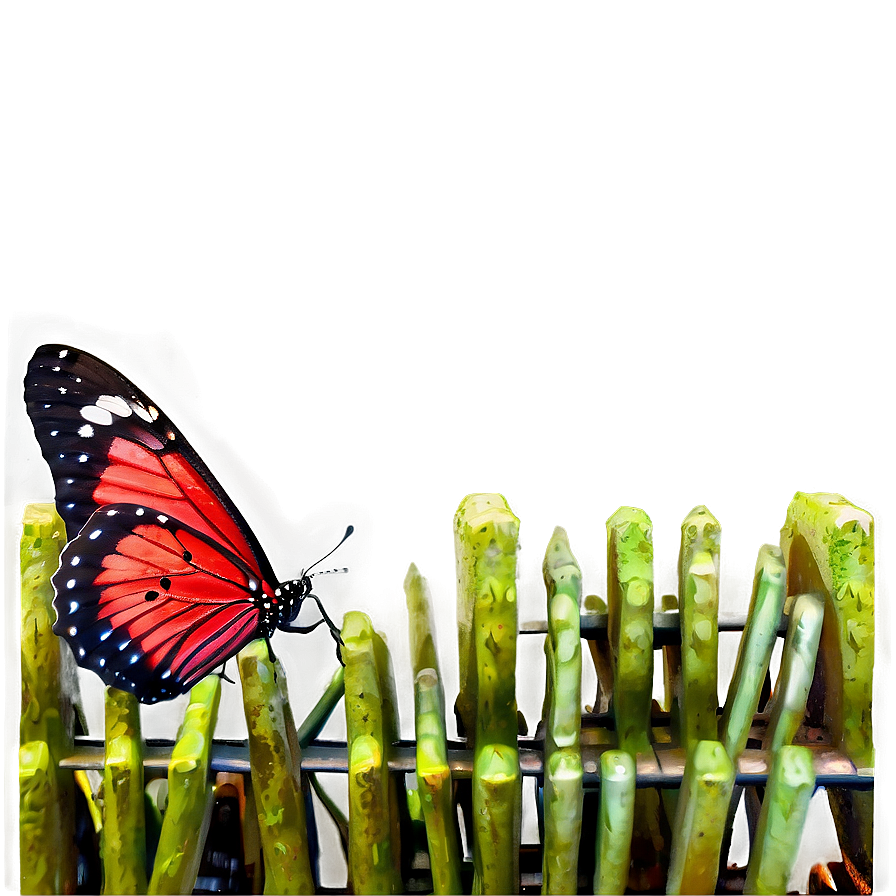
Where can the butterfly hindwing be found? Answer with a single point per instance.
(107, 442)
(151, 604)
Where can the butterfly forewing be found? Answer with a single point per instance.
(153, 605)
(107, 442)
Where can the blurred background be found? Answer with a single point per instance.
(370, 260)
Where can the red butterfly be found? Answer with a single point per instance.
(164, 580)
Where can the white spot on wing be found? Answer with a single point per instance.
(71, 584)
(82, 458)
(162, 518)
(140, 511)
(141, 412)
(86, 431)
(100, 416)
(73, 631)
(105, 635)
(95, 534)
(73, 606)
(63, 353)
(115, 404)
(75, 560)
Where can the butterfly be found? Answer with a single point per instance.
(163, 580)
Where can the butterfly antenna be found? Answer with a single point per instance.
(348, 532)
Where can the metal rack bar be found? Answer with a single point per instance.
(663, 769)
(666, 626)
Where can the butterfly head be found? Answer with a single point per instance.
(290, 596)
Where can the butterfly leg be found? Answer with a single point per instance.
(301, 629)
(334, 629)
(223, 673)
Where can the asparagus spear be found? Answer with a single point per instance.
(700, 819)
(497, 793)
(797, 669)
(124, 819)
(496, 818)
(323, 709)
(274, 758)
(190, 795)
(563, 793)
(485, 542)
(791, 783)
(38, 804)
(373, 855)
(829, 546)
(699, 600)
(49, 704)
(434, 784)
(308, 731)
(631, 603)
(616, 817)
(421, 626)
(754, 653)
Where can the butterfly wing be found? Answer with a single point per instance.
(152, 605)
(107, 442)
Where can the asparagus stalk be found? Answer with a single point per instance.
(630, 604)
(421, 626)
(434, 784)
(616, 817)
(754, 653)
(190, 795)
(563, 793)
(275, 758)
(496, 818)
(38, 852)
(398, 805)
(49, 704)
(797, 669)
(373, 855)
(630, 600)
(485, 542)
(486, 534)
(308, 731)
(700, 819)
(829, 546)
(699, 602)
(124, 818)
(323, 709)
(791, 783)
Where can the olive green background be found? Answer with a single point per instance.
(371, 260)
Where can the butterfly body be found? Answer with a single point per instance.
(162, 579)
